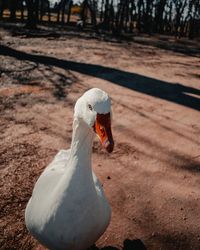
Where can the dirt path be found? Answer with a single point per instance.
(152, 177)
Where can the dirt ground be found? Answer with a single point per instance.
(152, 179)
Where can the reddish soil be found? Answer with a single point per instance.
(151, 179)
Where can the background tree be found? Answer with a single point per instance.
(159, 16)
(32, 18)
(171, 17)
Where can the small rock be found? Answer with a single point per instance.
(108, 177)
(43, 128)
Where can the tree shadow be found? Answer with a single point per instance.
(176, 93)
(176, 241)
(185, 47)
(55, 30)
(173, 158)
(35, 77)
(135, 244)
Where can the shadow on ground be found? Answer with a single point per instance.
(176, 93)
(127, 245)
(183, 46)
(55, 31)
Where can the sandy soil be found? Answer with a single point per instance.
(151, 179)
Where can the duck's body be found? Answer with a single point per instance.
(68, 209)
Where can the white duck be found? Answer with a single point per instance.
(68, 209)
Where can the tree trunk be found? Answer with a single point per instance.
(49, 13)
(140, 3)
(22, 10)
(13, 8)
(132, 8)
(58, 12)
(159, 16)
(31, 20)
(69, 11)
(101, 13)
(2, 7)
(64, 3)
(36, 7)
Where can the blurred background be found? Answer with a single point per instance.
(171, 17)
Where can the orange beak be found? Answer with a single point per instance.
(102, 128)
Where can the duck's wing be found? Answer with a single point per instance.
(51, 175)
(62, 155)
(98, 185)
(60, 160)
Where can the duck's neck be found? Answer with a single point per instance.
(81, 146)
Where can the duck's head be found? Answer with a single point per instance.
(94, 108)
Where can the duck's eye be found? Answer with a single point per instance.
(89, 106)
